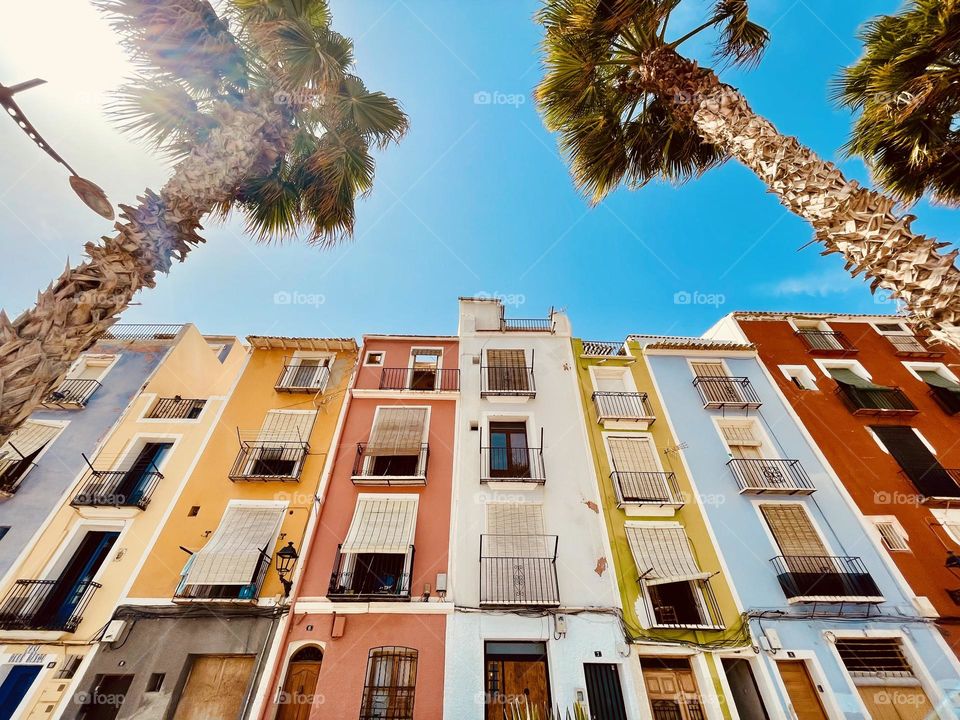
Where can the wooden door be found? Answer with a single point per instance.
(673, 694)
(801, 690)
(896, 703)
(299, 689)
(216, 688)
(521, 684)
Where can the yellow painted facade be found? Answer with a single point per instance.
(194, 366)
(690, 516)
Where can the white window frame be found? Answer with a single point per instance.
(369, 354)
(802, 323)
(853, 365)
(598, 371)
(152, 400)
(105, 361)
(904, 330)
(54, 567)
(801, 372)
(768, 450)
(691, 361)
(417, 350)
(877, 520)
(136, 443)
(914, 368)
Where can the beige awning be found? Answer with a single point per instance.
(28, 439)
(287, 426)
(382, 524)
(398, 431)
(663, 555)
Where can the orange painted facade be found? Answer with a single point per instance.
(870, 474)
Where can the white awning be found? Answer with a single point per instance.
(663, 555)
(382, 524)
(289, 426)
(397, 431)
(233, 553)
(28, 439)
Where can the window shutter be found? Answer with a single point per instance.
(398, 431)
(232, 555)
(663, 555)
(849, 377)
(610, 383)
(633, 454)
(916, 460)
(740, 435)
(891, 536)
(793, 530)
(382, 524)
(935, 379)
(284, 426)
(27, 440)
(515, 530)
(709, 369)
(506, 358)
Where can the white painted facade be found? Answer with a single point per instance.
(570, 503)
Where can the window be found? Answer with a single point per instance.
(373, 357)
(396, 442)
(515, 546)
(715, 383)
(507, 371)
(176, 408)
(390, 684)
(637, 474)
(280, 445)
(743, 440)
(155, 682)
(309, 372)
(68, 668)
(424, 367)
(891, 533)
(883, 676)
(509, 450)
(800, 375)
(793, 530)
(19, 454)
(942, 383)
(890, 328)
(611, 380)
(917, 462)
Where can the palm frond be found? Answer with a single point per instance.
(373, 114)
(161, 113)
(742, 41)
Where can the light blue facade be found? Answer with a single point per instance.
(42, 490)
(747, 546)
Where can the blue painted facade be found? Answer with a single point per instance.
(747, 546)
(61, 463)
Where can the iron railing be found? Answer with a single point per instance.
(519, 570)
(623, 406)
(142, 331)
(701, 610)
(117, 488)
(646, 488)
(527, 325)
(269, 460)
(225, 593)
(771, 475)
(910, 346)
(46, 605)
(177, 408)
(390, 466)
(604, 348)
(371, 577)
(75, 392)
(303, 378)
(826, 578)
(507, 380)
(722, 391)
(522, 464)
(390, 686)
(947, 399)
(420, 380)
(12, 472)
(820, 342)
(678, 709)
(876, 401)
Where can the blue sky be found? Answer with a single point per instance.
(474, 201)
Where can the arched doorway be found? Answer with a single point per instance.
(300, 685)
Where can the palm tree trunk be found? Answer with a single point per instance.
(37, 348)
(857, 222)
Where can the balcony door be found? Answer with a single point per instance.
(378, 573)
(308, 372)
(717, 386)
(916, 460)
(73, 581)
(604, 693)
(507, 371)
(509, 450)
(517, 680)
(137, 477)
(424, 369)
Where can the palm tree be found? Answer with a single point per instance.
(906, 89)
(262, 113)
(629, 108)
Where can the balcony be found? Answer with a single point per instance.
(512, 465)
(420, 379)
(604, 348)
(371, 577)
(72, 394)
(527, 325)
(770, 477)
(646, 488)
(827, 344)
(45, 605)
(300, 378)
(117, 488)
(12, 471)
(246, 592)
(947, 398)
(390, 466)
(504, 381)
(726, 392)
(876, 400)
(142, 331)
(825, 578)
(269, 460)
(909, 346)
(518, 570)
(176, 408)
(624, 406)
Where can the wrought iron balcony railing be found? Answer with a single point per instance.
(832, 343)
(527, 325)
(646, 488)
(825, 578)
(295, 377)
(46, 605)
(519, 570)
(269, 460)
(177, 408)
(133, 331)
(759, 476)
(390, 466)
(507, 381)
(12, 471)
(876, 401)
(604, 348)
(521, 464)
(910, 346)
(117, 488)
(723, 391)
(248, 592)
(623, 406)
(72, 393)
(947, 399)
(420, 380)
(371, 577)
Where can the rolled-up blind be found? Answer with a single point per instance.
(398, 431)
(663, 555)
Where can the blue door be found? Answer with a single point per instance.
(14, 688)
(72, 586)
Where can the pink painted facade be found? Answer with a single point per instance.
(335, 591)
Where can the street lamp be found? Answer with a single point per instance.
(91, 194)
(286, 559)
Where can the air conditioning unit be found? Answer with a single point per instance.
(114, 631)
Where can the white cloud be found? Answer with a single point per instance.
(816, 284)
